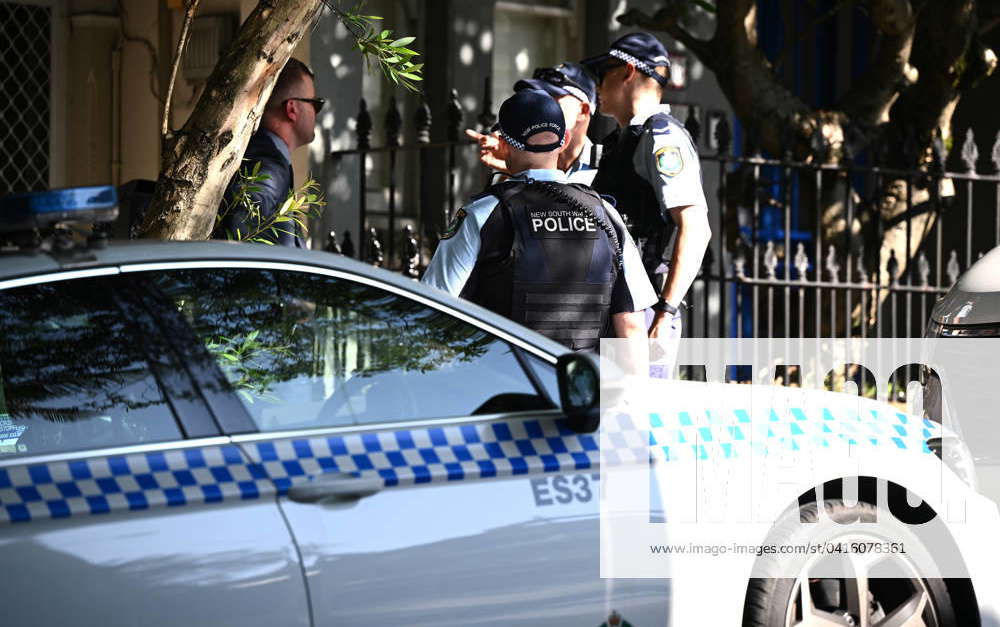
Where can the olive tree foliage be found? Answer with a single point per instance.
(198, 160)
(925, 55)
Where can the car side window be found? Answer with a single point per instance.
(303, 350)
(72, 372)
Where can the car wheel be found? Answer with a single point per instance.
(869, 600)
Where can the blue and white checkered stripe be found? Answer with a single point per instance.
(642, 66)
(681, 435)
(453, 453)
(224, 473)
(127, 482)
(417, 456)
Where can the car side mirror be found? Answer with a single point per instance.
(579, 380)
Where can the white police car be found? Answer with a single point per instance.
(210, 433)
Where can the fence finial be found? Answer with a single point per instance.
(393, 123)
(953, 269)
(771, 261)
(692, 124)
(410, 253)
(331, 243)
(801, 261)
(364, 127)
(347, 248)
(723, 134)
(892, 267)
(423, 121)
(969, 151)
(939, 154)
(375, 256)
(832, 267)
(455, 116)
(739, 264)
(924, 270)
(486, 117)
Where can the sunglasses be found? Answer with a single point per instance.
(555, 77)
(317, 103)
(607, 68)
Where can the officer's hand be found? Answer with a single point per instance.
(492, 152)
(660, 325)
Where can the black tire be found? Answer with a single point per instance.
(771, 600)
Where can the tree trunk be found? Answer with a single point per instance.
(199, 160)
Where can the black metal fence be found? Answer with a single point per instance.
(788, 255)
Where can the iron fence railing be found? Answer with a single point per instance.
(775, 266)
(829, 286)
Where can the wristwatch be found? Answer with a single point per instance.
(664, 307)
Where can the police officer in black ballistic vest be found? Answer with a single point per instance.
(651, 167)
(550, 255)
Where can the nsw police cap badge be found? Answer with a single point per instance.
(456, 224)
(669, 161)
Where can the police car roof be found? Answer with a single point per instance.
(22, 264)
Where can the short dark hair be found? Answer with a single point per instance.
(288, 81)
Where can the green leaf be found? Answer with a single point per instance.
(412, 77)
(402, 42)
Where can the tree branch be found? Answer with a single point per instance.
(868, 102)
(948, 61)
(668, 20)
(189, 10)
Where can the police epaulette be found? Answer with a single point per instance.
(658, 122)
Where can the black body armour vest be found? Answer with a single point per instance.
(547, 262)
(634, 197)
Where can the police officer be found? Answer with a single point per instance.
(650, 166)
(550, 255)
(574, 88)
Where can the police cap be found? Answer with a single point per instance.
(642, 50)
(527, 113)
(566, 79)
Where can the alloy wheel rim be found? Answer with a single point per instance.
(862, 601)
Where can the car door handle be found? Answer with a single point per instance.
(335, 487)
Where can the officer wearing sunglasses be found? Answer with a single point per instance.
(289, 121)
(573, 87)
(650, 166)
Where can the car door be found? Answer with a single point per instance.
(422, 465)
(120, 502)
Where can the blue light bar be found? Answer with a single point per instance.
(21, 212)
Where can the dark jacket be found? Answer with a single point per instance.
(273, 192)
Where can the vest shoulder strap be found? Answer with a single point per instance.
(506, 190)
